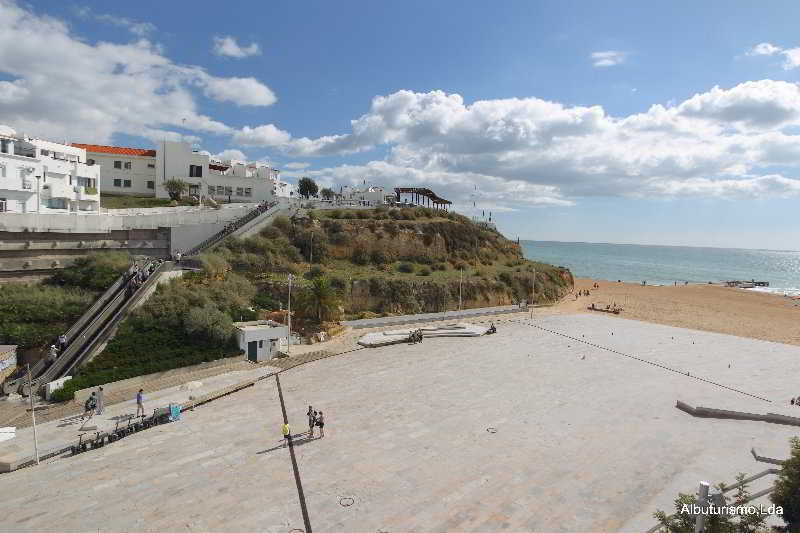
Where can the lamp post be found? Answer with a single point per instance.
(289, 311)
(33, 414)
(38, 192)
(460, 282)
(533, 291)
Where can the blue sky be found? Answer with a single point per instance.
(546, 108)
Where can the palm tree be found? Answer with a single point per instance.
(320, 299)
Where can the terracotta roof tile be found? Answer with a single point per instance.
(98, 148)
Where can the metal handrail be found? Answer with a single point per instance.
(231, 228)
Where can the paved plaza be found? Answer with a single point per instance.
(525, 430)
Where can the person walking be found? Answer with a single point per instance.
(140, 402)
(287, 433)
(321, 424)
(89, 406)
(100, 405)
(62, 343)
(53, 354)
(312, 418)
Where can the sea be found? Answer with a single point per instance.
(664, 265)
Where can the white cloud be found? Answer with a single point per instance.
(87, 91)
(237, 155)
(267, 136)
(608, 58)
(228, 47)
(12, 92)
(240, 91)
(791, 56)
(297, 165)
(532, 151)
(141, 29)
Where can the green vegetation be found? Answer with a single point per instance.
(787, 488)
(110, 201)
(414, 254)
(34, 315)
(307, 187)
(187, 321)
(720, 523)
(786, 495)
(175, 187)
(97, 271)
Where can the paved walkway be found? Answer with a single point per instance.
(17, 413)
(520, 431)
(59, 433)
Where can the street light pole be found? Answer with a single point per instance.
(460, 282)
(289, 310)
(33, 414)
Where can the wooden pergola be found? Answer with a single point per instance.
(422, 196)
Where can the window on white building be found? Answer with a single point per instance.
(229, 191)
(239, 191)
(4, 146)
(151, 184)
(117, 183)
(212, 189)
(248, 191)
(195, 171)
(90, 162)
(127, 165)
(151, 165)
(46, 153)
(220, 190)
(117, 164)
(127, 183)
(2, 171)
(194, 189)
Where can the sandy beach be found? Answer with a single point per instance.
(703, 307)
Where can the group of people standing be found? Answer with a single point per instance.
(315, 419)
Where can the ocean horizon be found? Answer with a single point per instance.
(667, 264)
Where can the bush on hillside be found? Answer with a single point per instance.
(425, 271)
(97, 271)
(408, 268)
(360, 256)
(34, 315)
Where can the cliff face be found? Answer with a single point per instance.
(395, 261)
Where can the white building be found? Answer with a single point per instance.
(143, 172)
(38, 176)
(123, 170)
(369, 196)
(261, 339)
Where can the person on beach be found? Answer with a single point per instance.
(100, 406)
(140, 402)
(312, 418)
(287, 433)
(321, 424)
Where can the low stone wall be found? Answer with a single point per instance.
(140, 381)
(707, 412)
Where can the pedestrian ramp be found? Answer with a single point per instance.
(397, 336)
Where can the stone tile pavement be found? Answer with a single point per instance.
(583, 439)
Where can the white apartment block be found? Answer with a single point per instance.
(224, 181)
(130, 171)
(143, 172)
(38, 176)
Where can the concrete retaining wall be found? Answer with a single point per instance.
(140, 381)
(102, 223)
